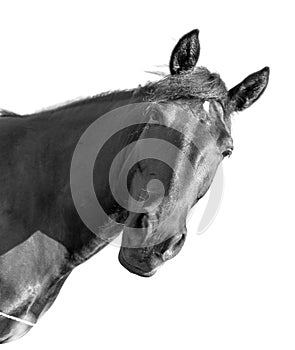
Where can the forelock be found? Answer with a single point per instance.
(199, 83)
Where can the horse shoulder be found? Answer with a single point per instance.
(29, 272)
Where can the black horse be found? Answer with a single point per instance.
(50, 163)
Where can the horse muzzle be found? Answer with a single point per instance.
(146, 261)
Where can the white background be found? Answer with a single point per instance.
(231, 287)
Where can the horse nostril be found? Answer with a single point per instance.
(228, 152)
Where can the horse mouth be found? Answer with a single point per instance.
(137, 261)
(134, 269)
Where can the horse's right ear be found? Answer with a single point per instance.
(186, 53)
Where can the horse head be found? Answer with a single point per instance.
(191, 110)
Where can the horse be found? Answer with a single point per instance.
(43, 195)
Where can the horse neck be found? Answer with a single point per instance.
(55, 135)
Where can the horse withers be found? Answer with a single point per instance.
(44, 237)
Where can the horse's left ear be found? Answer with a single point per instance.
(186, 53)
(249, 90)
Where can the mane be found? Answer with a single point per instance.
(199, 83)
(6, 113)
(105, 96)
(108, 96)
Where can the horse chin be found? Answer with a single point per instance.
(145, 262)
(134, 269)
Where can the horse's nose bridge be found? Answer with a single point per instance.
(225, 141)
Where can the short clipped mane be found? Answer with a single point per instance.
(5, 113)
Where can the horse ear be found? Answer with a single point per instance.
(186, 53)
(249, 90)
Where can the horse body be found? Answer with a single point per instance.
(43, 237)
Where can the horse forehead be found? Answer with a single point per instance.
(183, 120)
(181, 115)
(186, 131)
